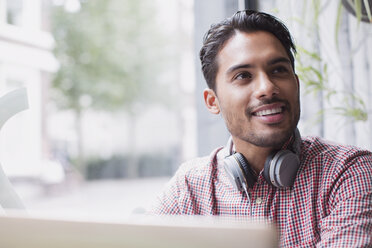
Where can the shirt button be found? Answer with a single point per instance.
(259, 200)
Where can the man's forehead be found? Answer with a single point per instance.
(246, 46)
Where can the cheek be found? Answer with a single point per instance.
(296, 96)
(291, 92)
(233, 103)
(234, 98)
(233, 110)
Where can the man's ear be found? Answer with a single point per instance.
(211, 101)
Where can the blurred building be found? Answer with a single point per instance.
(44, 132)
(26, 60)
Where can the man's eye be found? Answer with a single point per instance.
(280, 69)
(243, 75)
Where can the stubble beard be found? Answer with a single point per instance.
(275, 140)
(254, 137)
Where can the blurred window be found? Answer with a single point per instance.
(14, 12)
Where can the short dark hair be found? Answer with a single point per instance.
(245, 21)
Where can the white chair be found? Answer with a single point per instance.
(10, 104)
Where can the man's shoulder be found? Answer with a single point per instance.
(332, 154)
(315, 146)
(195, 165)
(342, 172)
(200, 166)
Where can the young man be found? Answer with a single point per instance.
(317, 193)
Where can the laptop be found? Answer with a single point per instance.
(21, 231)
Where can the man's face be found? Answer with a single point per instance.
(257, 91)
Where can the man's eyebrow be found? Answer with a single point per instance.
(237, 67)
(246, 66)
(279, 60)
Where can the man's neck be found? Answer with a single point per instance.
(255, 155)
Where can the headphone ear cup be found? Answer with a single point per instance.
(247, 170)
(234, 173)
(266, 171)
(281, 168)
(238, 171)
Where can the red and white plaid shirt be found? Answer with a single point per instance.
(330, 204)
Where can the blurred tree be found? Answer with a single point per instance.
(110, 55)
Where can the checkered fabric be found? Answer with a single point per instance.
(329, 205)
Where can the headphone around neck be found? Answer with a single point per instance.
(280, 167)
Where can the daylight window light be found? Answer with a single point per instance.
(72, 6)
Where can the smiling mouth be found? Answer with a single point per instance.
(267, 112)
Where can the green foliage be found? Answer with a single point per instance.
(358, 9)
(313, 73)
(312, 70)
(361, 11)
(338, 22)
(112, 57)
(107, 56)
(315, 80)
(368, 10)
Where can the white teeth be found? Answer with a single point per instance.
(269, 111)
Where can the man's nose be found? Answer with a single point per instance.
(265, 87)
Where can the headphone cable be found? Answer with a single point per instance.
(246, 192)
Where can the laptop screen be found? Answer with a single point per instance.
(18, 231)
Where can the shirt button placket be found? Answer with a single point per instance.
(258, 199)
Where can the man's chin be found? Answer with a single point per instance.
(269, 139)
